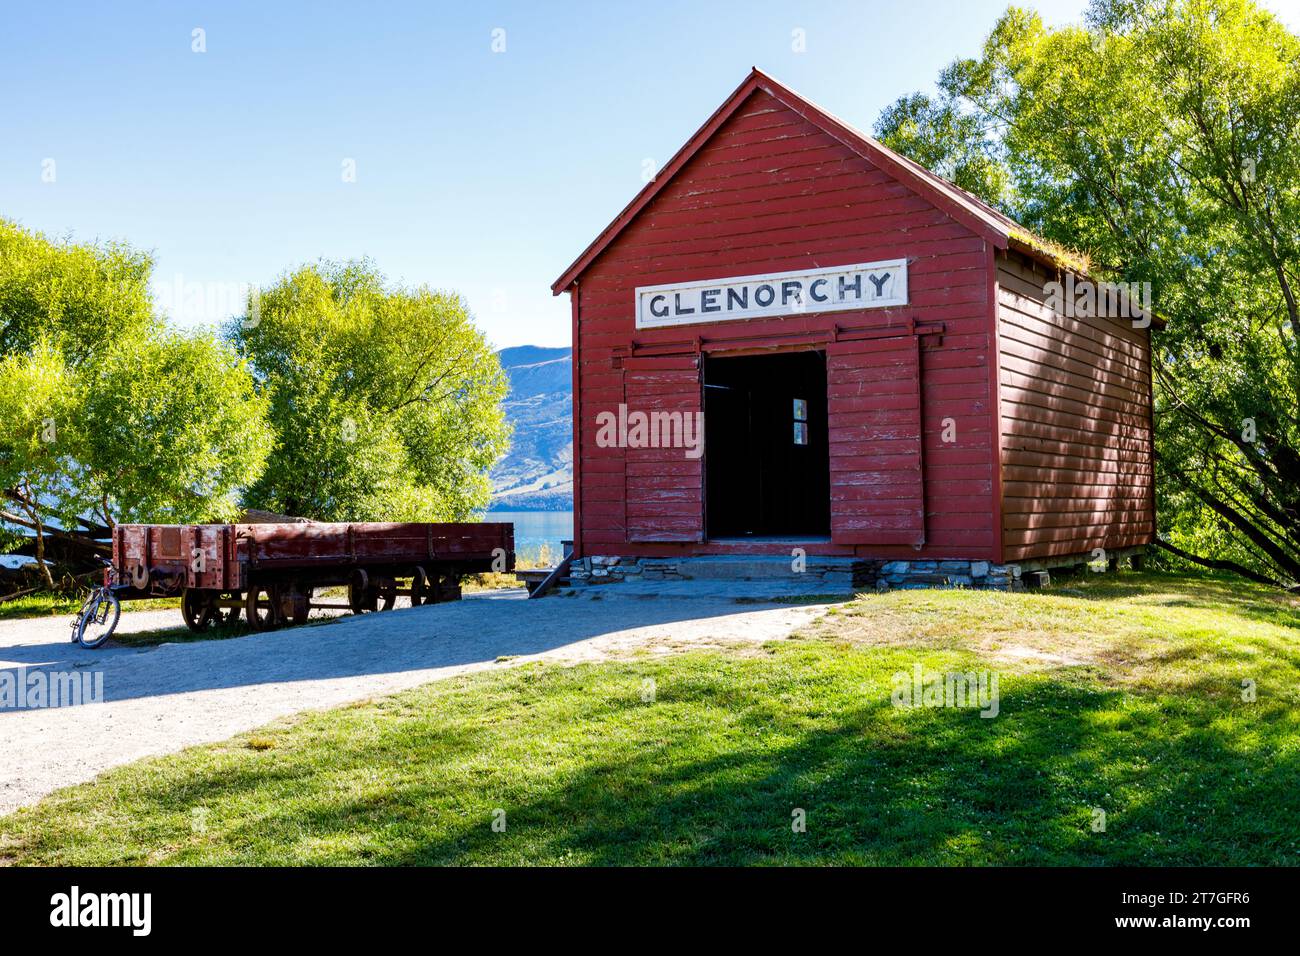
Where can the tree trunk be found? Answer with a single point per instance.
(40, 553)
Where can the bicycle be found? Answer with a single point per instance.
(98, 617)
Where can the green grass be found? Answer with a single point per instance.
(1116, 692)
(62, 604)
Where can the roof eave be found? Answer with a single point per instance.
(877, 153)
(651, 189)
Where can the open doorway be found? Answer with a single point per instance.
(767, 465)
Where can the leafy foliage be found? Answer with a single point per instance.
(173, 429)
(75, 297)
(949, 141)
(36, 460)
(386, 403)
(1162, 139)
(103, 411)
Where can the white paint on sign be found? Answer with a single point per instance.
(869, 285)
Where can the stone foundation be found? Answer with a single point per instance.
(982, 575)
(835, 572)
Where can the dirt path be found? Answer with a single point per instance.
(161, 699)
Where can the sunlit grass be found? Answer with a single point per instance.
(540, 557)
(63, 604)
(1121, 694)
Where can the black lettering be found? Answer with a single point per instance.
(812, 291)
(857, 287)
(879, 283)
(791, 289)
(758, 296)
(655, 312)
(706, 300)
(678, 308)
(738, 298)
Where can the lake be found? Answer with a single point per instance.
(535, 529)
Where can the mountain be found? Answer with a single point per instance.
(537, 474)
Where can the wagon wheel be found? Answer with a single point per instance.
(361, 596)
(300, 604)
(262, 605)
(356, 598)
(448, 587)
(421, 593)
(227, 615)
(197, 609)
(386, 593)
(435, 589)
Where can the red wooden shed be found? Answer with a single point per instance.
(794, 337)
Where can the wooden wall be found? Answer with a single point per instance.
(1077, 468)
(772, 192)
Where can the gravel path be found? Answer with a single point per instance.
(161, 699)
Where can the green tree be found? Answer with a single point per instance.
(386, 403)
(104, 412)
(75, 297)
(37, 400)
(172, 429)
(1162, 138)
(950, 141)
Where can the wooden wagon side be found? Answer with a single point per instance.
(272, 571)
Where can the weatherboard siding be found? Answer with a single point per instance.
(772, 192)
(1075, 416)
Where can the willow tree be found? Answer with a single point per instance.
(36, 404)
(385, 402)
(1162, 137)
(105, 413)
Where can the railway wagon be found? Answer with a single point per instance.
(271, 572)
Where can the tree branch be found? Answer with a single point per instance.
(1217, 564)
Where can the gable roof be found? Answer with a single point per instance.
(964, 207)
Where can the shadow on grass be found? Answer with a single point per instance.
(1231, 595)
(717, 775)
(945, 787)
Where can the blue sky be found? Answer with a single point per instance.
(480, 171)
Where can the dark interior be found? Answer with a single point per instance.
(759, 480)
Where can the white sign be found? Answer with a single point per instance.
(869, 285)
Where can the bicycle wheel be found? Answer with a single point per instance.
(98, 619)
